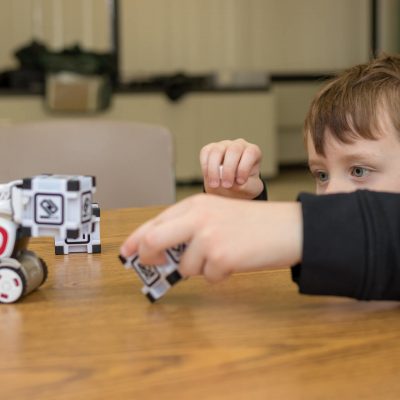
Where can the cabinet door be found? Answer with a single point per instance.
(293, 100)
(182, 120)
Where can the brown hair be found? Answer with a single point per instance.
(349, 104)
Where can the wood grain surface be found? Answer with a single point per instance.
(89, 333)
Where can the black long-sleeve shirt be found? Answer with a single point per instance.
(351, 245)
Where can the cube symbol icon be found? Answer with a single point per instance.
(86, 206)
(176, 252)
(49, 209)
(148, 273)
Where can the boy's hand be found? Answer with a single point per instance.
(240, 175)
(223, 236)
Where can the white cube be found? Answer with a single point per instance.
(86, 242)
(54, 205)
(157, 279)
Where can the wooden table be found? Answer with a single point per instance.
(89, 333)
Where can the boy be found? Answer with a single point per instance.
(339, 244)
(352, 134)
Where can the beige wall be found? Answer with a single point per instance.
(274, 35)
(389, 22)
(199, 35)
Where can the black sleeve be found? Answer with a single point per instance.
(264, 194)
(351, 245)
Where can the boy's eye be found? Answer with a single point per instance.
(321, 176)
(359, 172)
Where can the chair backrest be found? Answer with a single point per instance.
(132, 163)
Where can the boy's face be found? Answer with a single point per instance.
(362, 164)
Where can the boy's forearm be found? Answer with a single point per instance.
(351, 245)
(284, 222)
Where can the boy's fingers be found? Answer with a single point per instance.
(215, 159)
(214, 273)
(164, 236)
(192, 261)
(131, 244)
(249, 164)
(229, 171)
(210, 153)
(196, 261)
(204, 154)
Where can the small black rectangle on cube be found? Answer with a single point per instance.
(151, 298)
(72, 233)
(94, 181)
(73, 186)
(96, 248)
(96, 211)
(174, 277)
(27, 183)
(26, 231)
(59, 250)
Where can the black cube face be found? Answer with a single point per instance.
(26, 231)
(96, 248)
(27, 183)
(72, 233)
(96, 211)
(73, 186)
(174, 277)
(59, 250)
(151, 298)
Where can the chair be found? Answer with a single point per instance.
(132, 162)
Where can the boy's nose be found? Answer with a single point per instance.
(339, 185)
